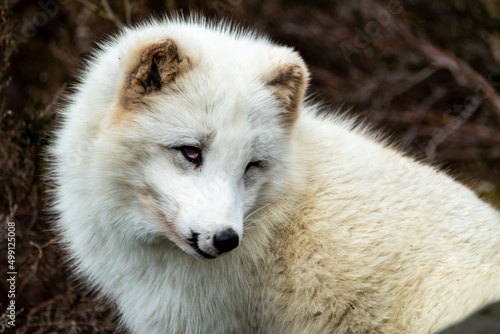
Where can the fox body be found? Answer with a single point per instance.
(197, 191)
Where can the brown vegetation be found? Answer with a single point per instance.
(427, 73)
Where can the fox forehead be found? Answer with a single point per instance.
(235, 121)
(205, 100)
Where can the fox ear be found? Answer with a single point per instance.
(159, 64)
(289, 85)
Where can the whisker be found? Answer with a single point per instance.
(262, 207)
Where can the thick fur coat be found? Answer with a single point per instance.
(185, 139)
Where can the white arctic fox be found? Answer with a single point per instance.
(197, 191)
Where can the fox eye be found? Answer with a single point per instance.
(257, 164)
(191, 153)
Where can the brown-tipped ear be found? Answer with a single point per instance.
(289, 85)
(159, 64)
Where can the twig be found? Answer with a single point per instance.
(94, 8)
(106, 14)
(111, 14)
(463, 73)
(44, 304)
(34, 267)
(412, 132)
(402, 87)
(476, 130)
(473, 154)
(128, 9)
(415, 79)
(48, 243)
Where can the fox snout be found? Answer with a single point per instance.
(223, 242)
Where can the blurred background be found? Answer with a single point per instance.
(425, 73)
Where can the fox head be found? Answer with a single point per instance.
(199, 130)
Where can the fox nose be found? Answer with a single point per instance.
(226, 241)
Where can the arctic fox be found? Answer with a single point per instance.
(198, 191)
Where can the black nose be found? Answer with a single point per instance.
(226, 241)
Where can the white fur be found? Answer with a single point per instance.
(339, 233)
